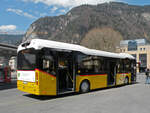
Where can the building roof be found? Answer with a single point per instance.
(40, 43)
(138, 41)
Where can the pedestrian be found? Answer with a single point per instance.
(147, 76)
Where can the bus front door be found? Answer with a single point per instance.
(65, 77)
(112, 73)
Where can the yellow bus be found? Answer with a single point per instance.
(52, 68)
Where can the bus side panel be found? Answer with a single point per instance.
(47, 83)
(120, 78)
(29, 87)
(96, 81)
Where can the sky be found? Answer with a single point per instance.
(17, 15)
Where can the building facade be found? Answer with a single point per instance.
(13, 63)
(140, 49)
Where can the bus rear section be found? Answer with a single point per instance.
(30, 78)
(36, 82)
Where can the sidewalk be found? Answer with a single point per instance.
(141, 77)
(13, 84)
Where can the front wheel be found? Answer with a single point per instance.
(84, 87)
(126, 81)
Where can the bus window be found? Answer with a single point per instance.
(98, 64)
(127, 65)
(89, 64)
(105, 65)
(45, 64)
(120, 66)
(27, 60)
(48, 62)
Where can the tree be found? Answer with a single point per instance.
(102, 39)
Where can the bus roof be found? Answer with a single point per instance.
(40, 43)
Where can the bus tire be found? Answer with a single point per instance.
(126, 81)
(85, 86)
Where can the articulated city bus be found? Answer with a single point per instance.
(53, 68)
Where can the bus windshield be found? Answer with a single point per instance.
(27, 60)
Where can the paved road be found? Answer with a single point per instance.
(126, 99)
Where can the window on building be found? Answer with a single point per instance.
(143, 60)
(120, 50)
(132, 46)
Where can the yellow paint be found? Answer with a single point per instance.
(46, 85)
(120, 78)
(28, 87)
(100, 81)
(96, 81)
(129, 76)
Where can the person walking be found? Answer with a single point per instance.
(147, 76)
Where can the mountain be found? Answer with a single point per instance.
(100, 26)
(14, 39)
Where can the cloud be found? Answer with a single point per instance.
(54, 9)
(68, 3)
(62, 11)
(39, 14)
(21, 13)
(7, 27)
(13, 32)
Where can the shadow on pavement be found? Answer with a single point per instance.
(44, 98)
(5, 86)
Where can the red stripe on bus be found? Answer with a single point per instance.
(95, 75)
(46, 73)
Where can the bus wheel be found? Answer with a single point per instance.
(85, 86)
(126, 81)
